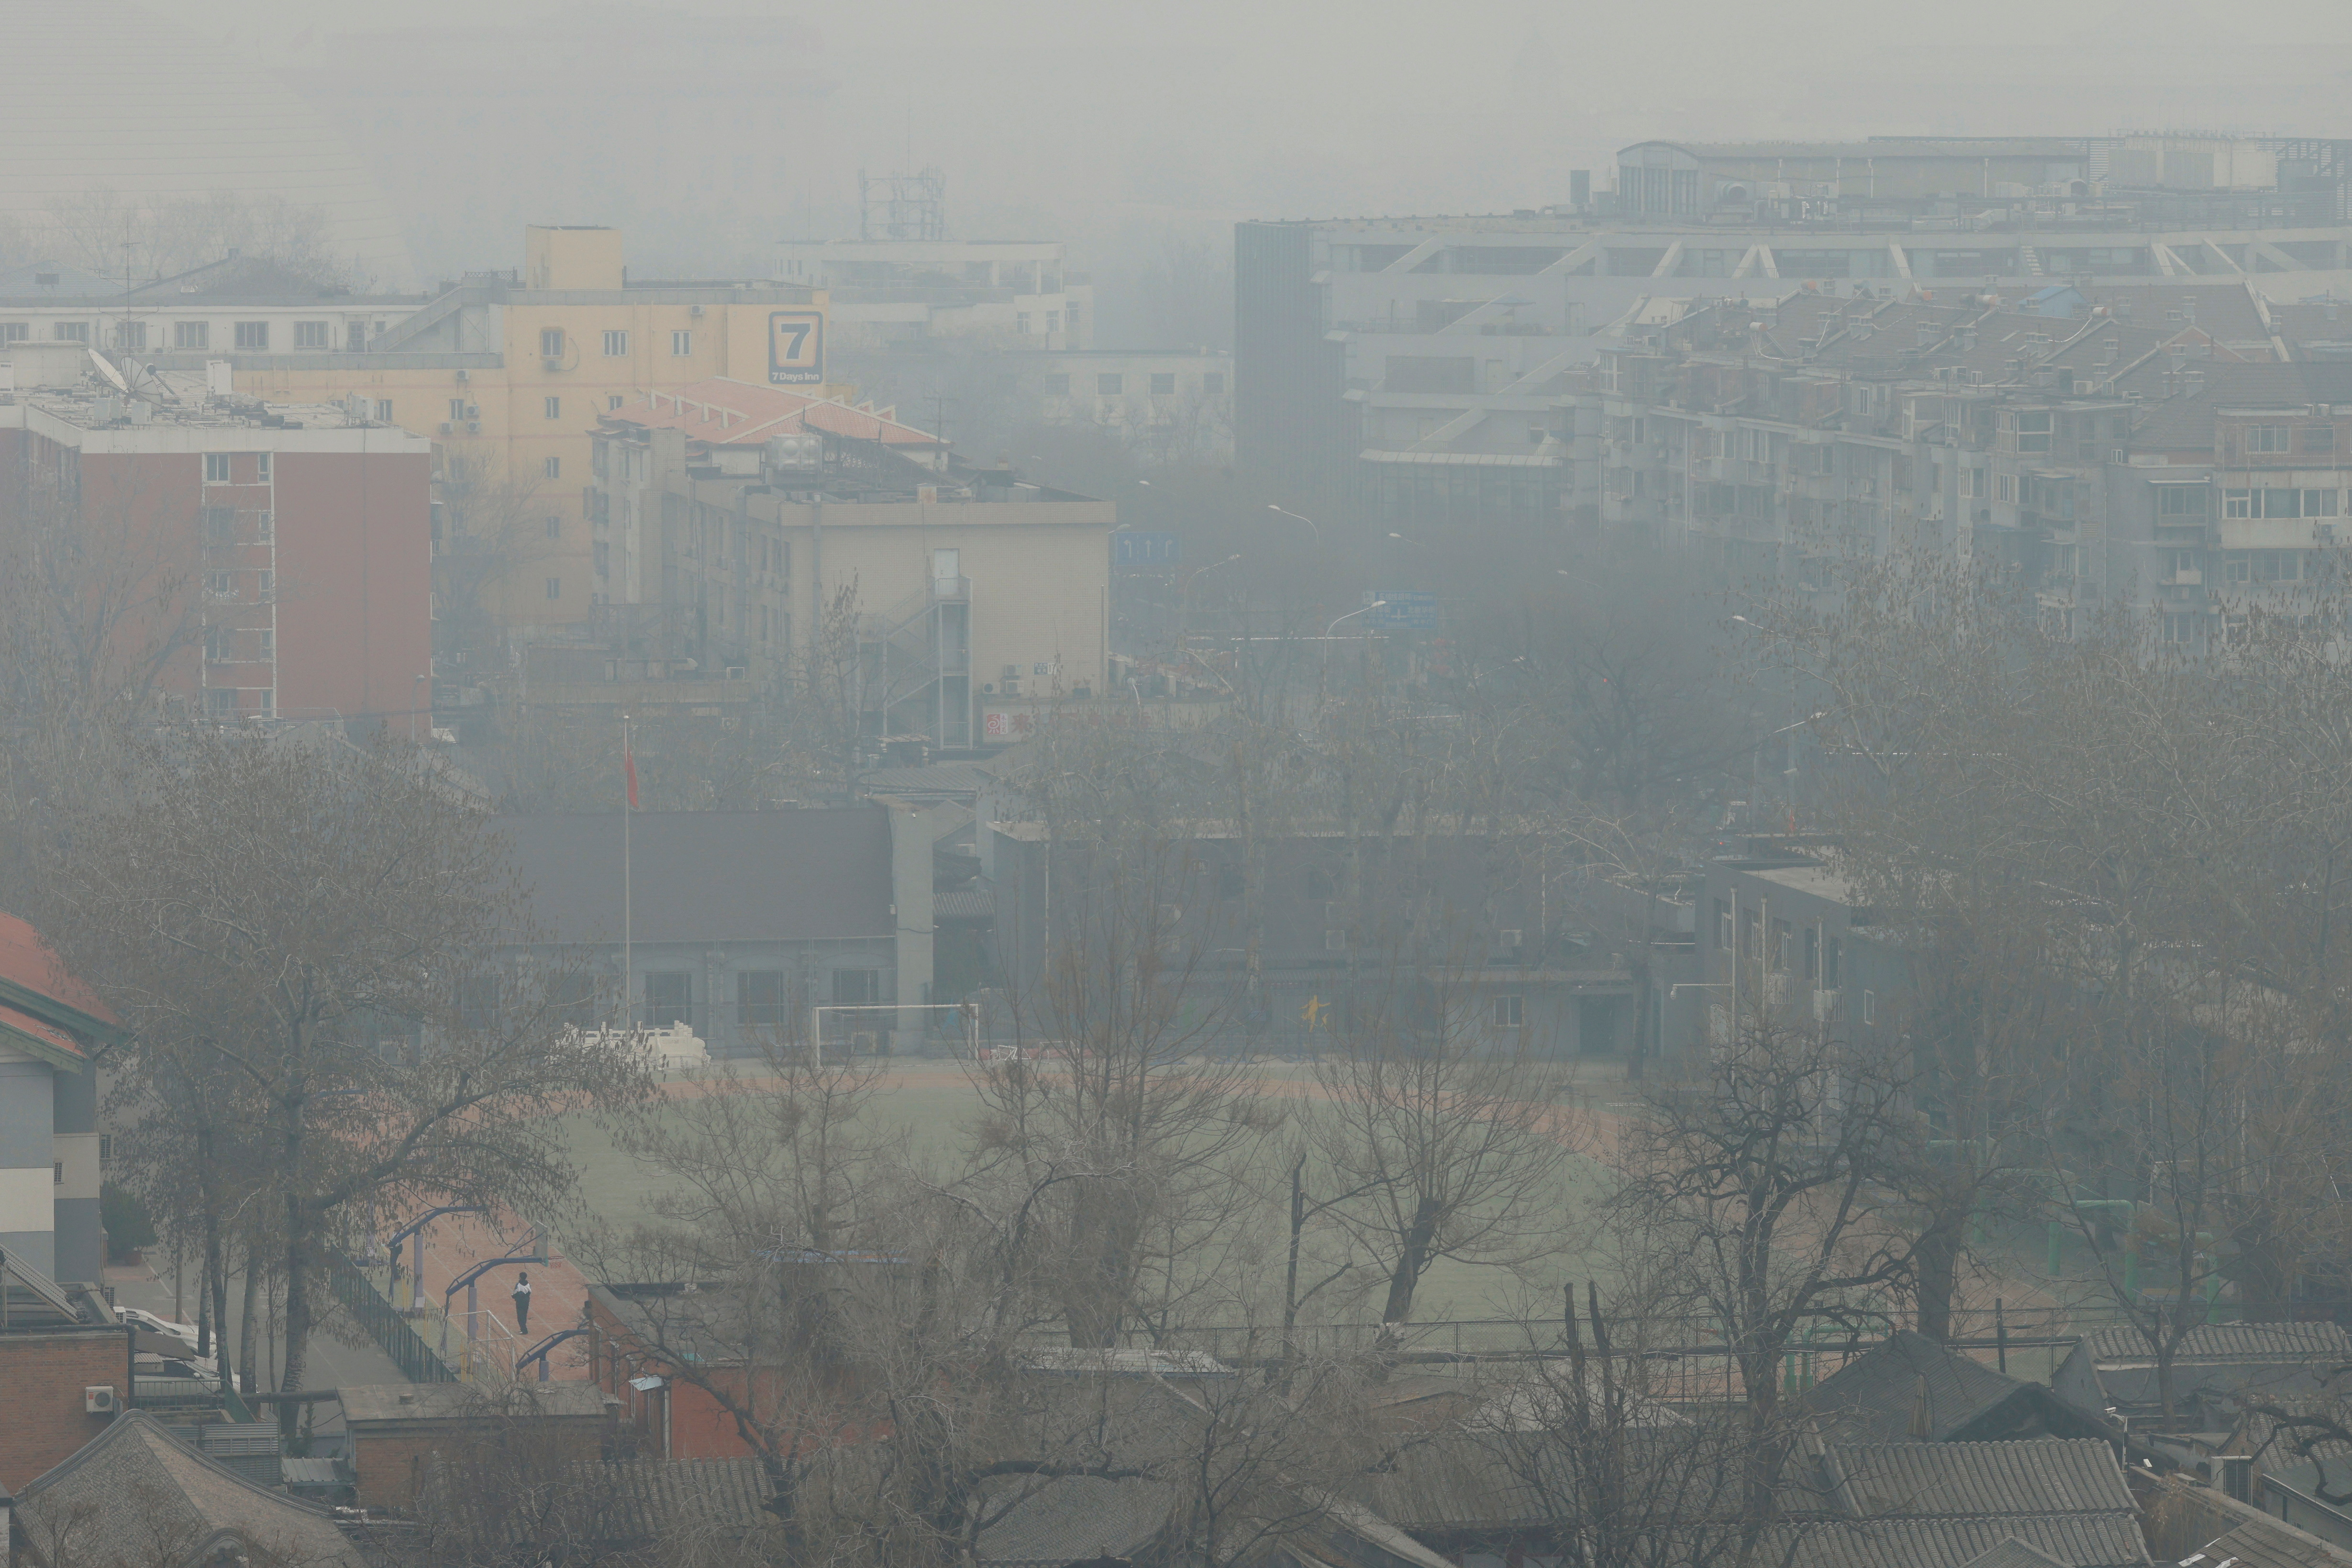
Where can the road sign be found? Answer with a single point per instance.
(1406, 609)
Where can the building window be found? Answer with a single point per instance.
(856, 987)
(1335, 939)
(2180, 626)
(130, 335)
(759, 1001)
(2319, 437)
(669, 998)
(14, 332)
(555, 587)
(617, 344)
(383, 410)
(553, 467)
(681, 342)
(1506, 1012)
(554, 407)
(1214, 381)
(220, 704)
(355, 336)
(217, 645)
(614, 402)
(554, 527)
(314, 334)
(261, 467)
(2180, 503)
(217, 524)
(551, 343)
(604, 561)
(1058, 386)
(1052, 320)
(1870, 1006)
(191, 335)
(2237, 504)
(1164, 383)
(253, 336)
(1021, 322)
(71, 332)
(2266, 438)
(1722, 925)
(456, 409)
(220, 584)
(1110, 384)
(215, 468)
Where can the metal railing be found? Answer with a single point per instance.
(384, 1322)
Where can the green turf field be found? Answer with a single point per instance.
(617, 1191)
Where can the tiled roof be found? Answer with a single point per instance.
(2269, 1544)
(48, 1009)
(2227, 1341)
(457, 1401)
(133, 1497)
(2043, 1478)
(2014, 1553)
(1073, 1519)
(2107, 1542)
(1872, 1397)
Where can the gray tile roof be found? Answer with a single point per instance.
(1872, 1397)
(809, 875)
(2100, 1543)
(134, 1497)
(1073, 1519)
(2269, 1544)
(2045, 1476)
(2228, 1342)
(2014, 1553)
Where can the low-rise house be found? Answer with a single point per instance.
(135, 1497)
(65, 1367)
(1909, 1388)
(398, 1430)
(52, 1028)
(740, 924)
(2113, 1372)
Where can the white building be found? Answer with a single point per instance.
(1008, 293)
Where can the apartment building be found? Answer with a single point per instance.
(274, 560)
(744, 528)
(1404, 368)
(2173, 448)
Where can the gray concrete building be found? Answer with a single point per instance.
(1404, 367)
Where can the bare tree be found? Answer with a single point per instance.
(1441, 1132)
(325, 925)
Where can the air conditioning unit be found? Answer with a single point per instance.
(988, 689)
(99, 1400)
(464, 375)
(473, 427)
(694, 310)
(473, 411)
(446, 427)
(551, 364)
(866, 1044)
(737, 672)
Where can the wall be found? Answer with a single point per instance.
(28, 1155)
(42, 1376)
(389, 1458)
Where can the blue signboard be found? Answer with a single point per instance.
(1405, 609)
(1131, 549)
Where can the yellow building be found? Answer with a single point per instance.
(508, 374)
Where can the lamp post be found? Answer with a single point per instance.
(1184, 603)
(1307, 521)
(1352, 615)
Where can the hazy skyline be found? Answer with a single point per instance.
(1222, 110)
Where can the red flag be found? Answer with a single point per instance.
(629, 768)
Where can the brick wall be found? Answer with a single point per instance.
(390, 1459)
(41, 1379)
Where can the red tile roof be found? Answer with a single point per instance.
(722, 412)
(27, 963)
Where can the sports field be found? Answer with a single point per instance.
(936, 1104)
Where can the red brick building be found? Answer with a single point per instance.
(262, 560)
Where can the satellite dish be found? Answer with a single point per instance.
(106, 368)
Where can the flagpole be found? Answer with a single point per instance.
(628, 809)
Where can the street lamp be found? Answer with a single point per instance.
(1185, 601)
(1307, 521)
(1352, 615)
